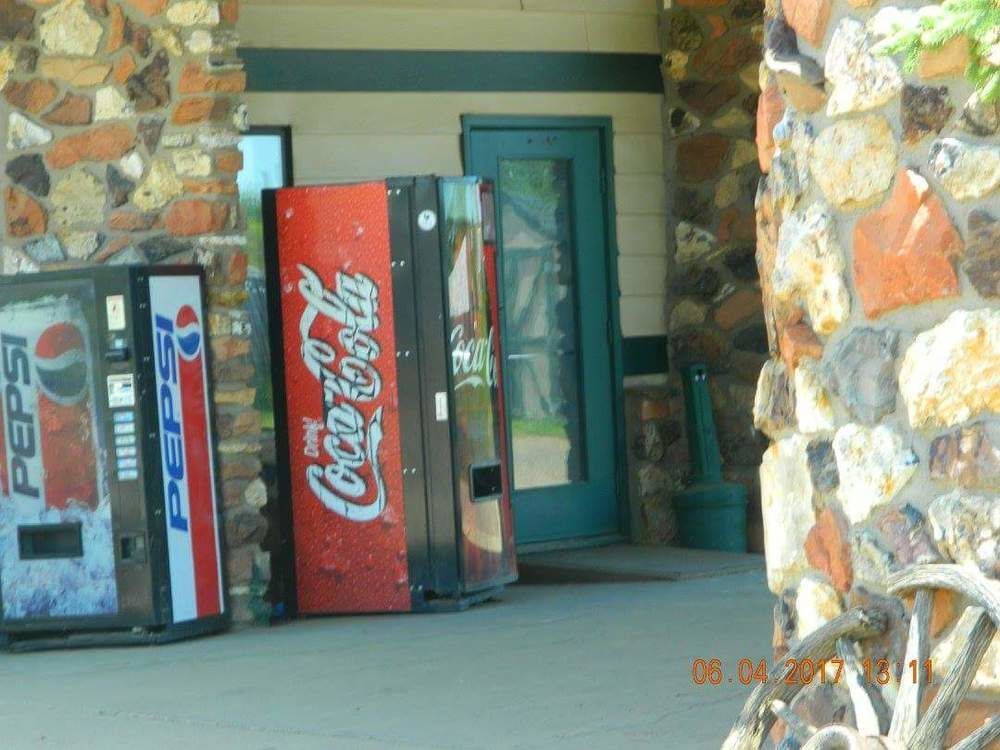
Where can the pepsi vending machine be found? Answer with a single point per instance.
(109, 529)
(386, 375)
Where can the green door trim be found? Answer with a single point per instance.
(606, 131)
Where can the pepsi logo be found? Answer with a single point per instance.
(61, 363)
(188, 332)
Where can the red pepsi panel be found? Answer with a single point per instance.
(53, 473)
(194, 552)
(342, 405)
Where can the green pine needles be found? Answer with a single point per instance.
(909, 33)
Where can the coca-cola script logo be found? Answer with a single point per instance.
(472, 359)
(351, 483)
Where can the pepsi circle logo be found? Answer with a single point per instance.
(61, 363)
(188, 331)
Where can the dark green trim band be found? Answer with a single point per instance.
(312, 70)
(645, 355)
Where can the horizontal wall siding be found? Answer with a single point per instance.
(342, 137)
(538, 26)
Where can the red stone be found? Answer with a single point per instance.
(903, 250)
(770, 110)
(808, 18)
(31, 96)
(737, 308)
(195, 80)
(725, 56)
(193, 217)
(236, 268)
(736, 226)
(74, 109)
(828, 548)
(229, 11)
(102, 143)
(718, 26)
(210, 187)
(796, 341)
(701, 157)
(25, 215)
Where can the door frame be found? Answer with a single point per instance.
(605, 129)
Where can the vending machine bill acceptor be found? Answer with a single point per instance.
(109, 529)
(384, 322)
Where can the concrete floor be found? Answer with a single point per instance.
(564, 666)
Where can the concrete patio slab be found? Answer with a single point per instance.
(573, 666)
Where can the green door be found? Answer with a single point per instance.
(556, 331)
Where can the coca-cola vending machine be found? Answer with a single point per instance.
(390, 414)
(109, 529)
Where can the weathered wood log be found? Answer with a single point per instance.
(968, 582)
(911, 691)
(839, 737)
(871, 715)
(934, 724)
(982, 737)
(756, 719)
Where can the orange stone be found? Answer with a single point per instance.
(828, 549)
(236, 268)
(770, 110)
(149, 7)
(229, 11)
(189, 218)
(31, 96)
(903, 250)
(737, 308)
(808, 18)
(103, 143)
(124, 67)
(116, 30)
(194, 80)
(230, 160)
(131, 221)
(950, 59)
(200, 109)
(210, 187)
(25, 215)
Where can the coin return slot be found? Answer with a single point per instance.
(486, 482)
(133, 548)
(50, 542)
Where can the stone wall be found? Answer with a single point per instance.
(710, 71)
(122, 122)
(879, 251)
(658, 463)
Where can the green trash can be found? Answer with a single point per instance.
(711, 513)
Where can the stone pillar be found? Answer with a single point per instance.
(123, 120)
(714, 313)
(878, 245)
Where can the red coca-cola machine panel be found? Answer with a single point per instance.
(389, 411)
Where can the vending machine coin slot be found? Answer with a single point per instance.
(486, 481)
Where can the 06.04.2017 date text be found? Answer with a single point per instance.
(807, 671)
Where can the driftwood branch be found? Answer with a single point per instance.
(911, 691)
(982, 737)
(800, 729)
(934, 724)
(756, 719)
(871, 715)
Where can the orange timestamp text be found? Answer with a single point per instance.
(808, 671)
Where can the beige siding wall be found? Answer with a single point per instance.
(347, 137)
(352, 136)
(535, 25)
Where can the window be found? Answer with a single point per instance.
(267, 163)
